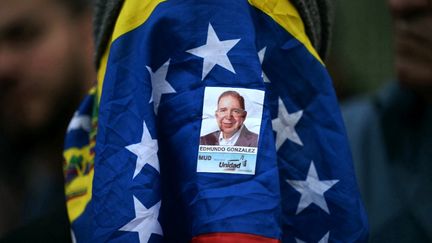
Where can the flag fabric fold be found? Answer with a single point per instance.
(158, 84)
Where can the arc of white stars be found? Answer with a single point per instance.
(146, 151)
(261, 55)
(145, 222)
(284, 125)
(322, 240)
(160, 85)
(214, 52)
(312, 190)
(80, 122)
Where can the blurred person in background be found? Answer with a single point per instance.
(391, 134)
(46, 67)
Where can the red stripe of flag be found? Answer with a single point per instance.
(232, 238)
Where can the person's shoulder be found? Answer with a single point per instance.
(210, 138)
(212, 134)
(357, 107)
(247, 138)
(367, 108)
(248, 132)
(360, 116)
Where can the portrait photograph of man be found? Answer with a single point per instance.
(230, 115)
(230, 128)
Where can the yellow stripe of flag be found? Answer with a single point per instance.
(136, 12)
(133, 14)
(287, 16)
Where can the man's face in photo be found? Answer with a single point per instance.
(230, 115)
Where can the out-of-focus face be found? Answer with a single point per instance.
(44, 53)
(230, 115)
(413, 42)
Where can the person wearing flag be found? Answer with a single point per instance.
(156, 60)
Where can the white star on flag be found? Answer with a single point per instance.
(312, 190)
(73, 238)
(323, 240)
(214, 52)
(145, 221)
(80, 122)
(146, 151)
(159, 84)
(284, 125)
(261, 55)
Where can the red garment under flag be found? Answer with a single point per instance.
(231, 238)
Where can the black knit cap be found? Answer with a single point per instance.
(314, 13)
(316, 18)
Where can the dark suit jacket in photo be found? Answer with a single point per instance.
(246, 138)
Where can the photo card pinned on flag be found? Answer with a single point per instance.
(230, 129)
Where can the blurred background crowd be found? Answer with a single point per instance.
(46, 67)
(361, 51)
